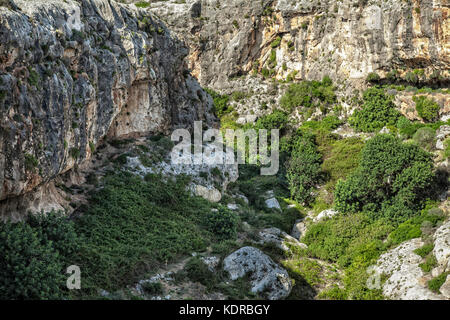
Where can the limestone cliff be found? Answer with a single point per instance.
(307, 39)
(74, 72)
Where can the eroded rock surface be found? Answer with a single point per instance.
(405, 279)
(265, 275)
(73, 72)
(345, 40)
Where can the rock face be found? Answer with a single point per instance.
(74, 72)
(442, 133)
(442, 246)
(405, 278)
(265, 275)
(346, 40)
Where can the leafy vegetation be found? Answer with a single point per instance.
(34, 256)
(309, 94)
(222, 223)
(304, 167)
(377, 111)
(221, 106)
(427, 109)
(435, 284)
(391, 180)
(133, 224)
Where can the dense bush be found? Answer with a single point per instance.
(275, 120)
(425, 137)
(304, 167)
(35, 254)
(391, 180)
(222, 223)
(152, 288)
(377, 111)
(407, 128)
(221, 106)
(427, 109)
(373, 77)
(435, 284)
(197, 271)
(309, 94)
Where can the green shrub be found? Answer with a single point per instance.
(153, 288)
(424, 250)
(222, 223)
(30, 162)
(335, 293)
(405, 231)
(425, 138)
(436, 283)
(447, 148)
(377, 111)
(427, 109)
(221, 106)
(309, 94)
(327, 124)
(411, 228)
(429, 264)
(412, 77)
(304, 167)
(275, 120)
(341, 160)
(373, 77)
(354, 242)
(275, 43)
(392, 75)
(391, 180)
(197, 271)
(74, 153)
(142, 4)
(35, 254)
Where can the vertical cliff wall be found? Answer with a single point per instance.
(307, 39)
(74, 72)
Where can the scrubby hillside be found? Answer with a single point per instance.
(90, 91)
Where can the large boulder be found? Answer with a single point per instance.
(265, 275)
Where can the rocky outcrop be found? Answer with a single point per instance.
(405, 279)
(265, 275)
(442, 246)
(406, 105)
(74, 72)
(325, 214)
(306, 39)
(280, 239)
